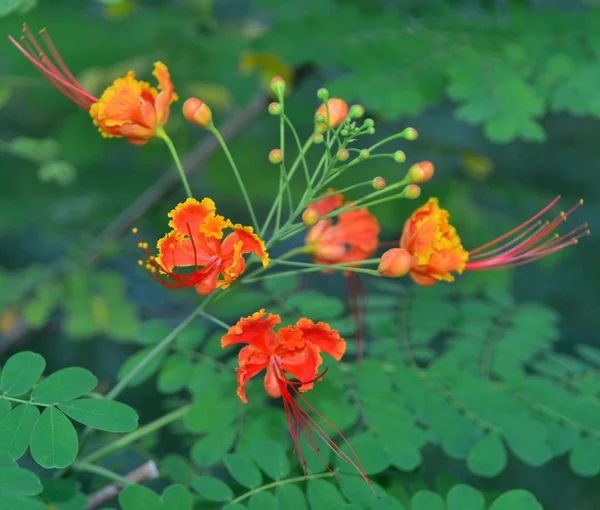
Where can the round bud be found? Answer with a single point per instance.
(310, 216)
(334, 113)
(323, 94)
(395, 263)
(421, 172)
(357, 111)
(368, 123)
(399, 157)
(343, 154)
(278, 86)
(379, 183)
(275, 108)
(411, 191)
(410, 133)
(318, 138)
(371, 131)
(275, 156)
(364, 154)
(344, 132)
(197, 112)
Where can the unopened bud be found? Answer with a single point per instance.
(278, 86)
(323, 94)
(343, 154)
(411, 191)
(410, 133)
(275, 156)
(310, 217)
(371, 131)
(275, 108)
(421, 172)
(318, 138)
(364, 154)
(197, 112)
(357, 111)
(395, 263)
(399, 157)
(368, 123)
(344, 132)
(379, 183)
(333, 113)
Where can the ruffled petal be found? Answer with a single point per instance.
(326, 205)
(214, 225)
(232, 267)
(166, 96)
(171, 252)
(254, 330)
(251, 362)
(360, 229)
(187, 218)
(326, 339)
(303, 364)
(252, 243)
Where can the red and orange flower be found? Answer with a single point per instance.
(294, 351)
(437, 251)
(196, 242)
(129, 108)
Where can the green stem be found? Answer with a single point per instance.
(237, 174)
(20, 401)
(299, 145)
(350, 267)
(402, 134)
(161, 133)
(86, 467)
(214, 320)
(132, 437)
(272, 485)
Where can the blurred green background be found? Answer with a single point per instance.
(505, 96)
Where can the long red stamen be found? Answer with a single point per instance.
(530, 244)
(58, 74)
(302, 425)
(356, 291)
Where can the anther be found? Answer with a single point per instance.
(140, 262)
(581, 201)
(135, 230)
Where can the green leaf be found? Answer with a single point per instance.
(262, 501)
(281, 286)
(145, 373)
(243, 469)
(527, 439)
(386, 503)
(15, 429)
(64, 494)
(465, 497)
(427, 500)
(54, 442)
(14, 502)
(177, 469)
(101, 414)
(59, 171)
(211, 412)
(6, 461)
(516, 500)
(4, 407)
(151, 332)
(19, 481)
(177, 497)
(323, 495)
(272, 459)
(138, 497)
(358, 491)
(191, 337)
(316, 305)
(174, 374)
(488, 456)
(66, 384)
(373, 457)
(21, 372)
(212, 488)
(35, 148)
(585, 456)
(210, 449)
(291, 497)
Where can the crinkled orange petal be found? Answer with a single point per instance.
(235, 266)
(214, 225)
(251, 362)
(423, 279)
(187, 218)
(166, 96)
(254, 330)
(209, 283)
(252, 243)
(325, 338)
(171, 252)
(326, 205)
(303, 364)
(290, 338)
(361, 228)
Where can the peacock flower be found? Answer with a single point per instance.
(197, 242)
(129, 108)
(291, 358)
(437, 251)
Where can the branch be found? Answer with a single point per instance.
(147, 471)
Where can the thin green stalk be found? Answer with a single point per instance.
(20, 401)
(161, 133)
(86, 467)
(237, 174)
(132, 437)
(299, 145)
(386, 140)
(350, 267)
(278, 483)
(214, 320)
(286, 180)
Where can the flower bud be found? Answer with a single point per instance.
(357, 111)
(197, 112)
(323, 94)
(379, 183)
(275, 108)
(318, 138)
(278, 86)
(368, 123)
(371, 131)
(411, 191)
(395, 263)
(338, 110)
(399, 157)
(364, 154)
(410, 133)
(275, 156)
(420, 172)
(343, 154)
(344, 132)
(310, 216)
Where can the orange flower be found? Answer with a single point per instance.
(294, 350)
(353, 238)
(437, 251)
(129, 108)
(195, 242)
